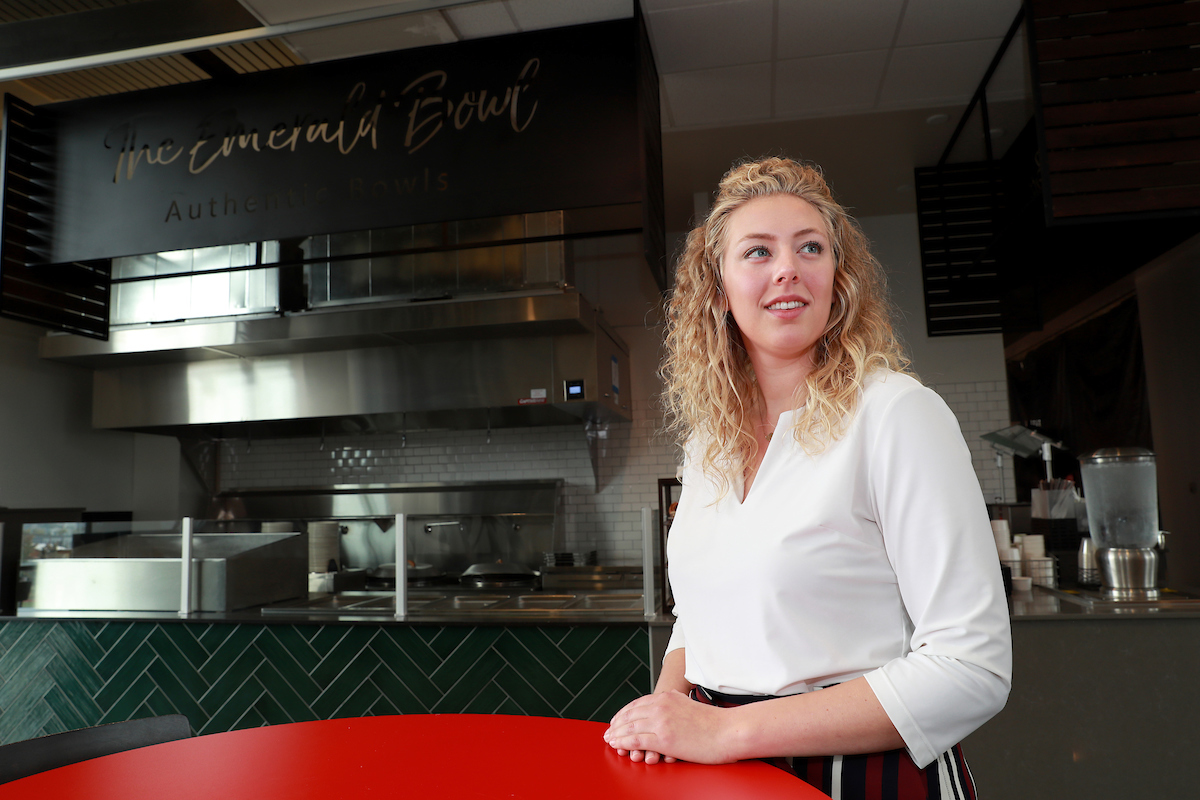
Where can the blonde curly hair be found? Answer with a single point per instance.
(711, 394)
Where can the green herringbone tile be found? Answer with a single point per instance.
(126, 698)
(227, 716)
(67, 711)
(591, 660)
(183, 697)
(271, 710)
(344, 683)
(24, 676)
(226, 676)
(543, 646)
(398, 692)
(597, 696)
(232, 647)
(396, 660)
(471, 648)
(128, 645)
(532, 667)
(407, 644)
(295, 672)
(529, 695)
(83, 640)
(487, 700)
(25, 714)
(335, 654)
(285, 694)
(25, 640)
(230, 682)
(287, 641)
(577, 640)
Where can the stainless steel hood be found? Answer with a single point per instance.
(491, 361)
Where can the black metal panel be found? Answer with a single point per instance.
(654, 234)
(71, 297)
(106, 30)
(958, 206)
(426, 135)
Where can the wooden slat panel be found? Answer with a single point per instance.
(1048, 8)
(1123, 133)
(36, 292)
(1116, 21)
(1127, 178)
(1162, 199)
(1125, 156)
(48, 316)
(1112, 44)
(1117, 66)
(1120, 88)
(956, 212)
(1133, 108)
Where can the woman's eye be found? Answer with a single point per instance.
(758, 252)
(812, 248)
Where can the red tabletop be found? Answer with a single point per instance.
(414, 756)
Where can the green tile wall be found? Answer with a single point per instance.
(61, 675)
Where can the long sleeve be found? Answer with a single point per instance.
(928, 505)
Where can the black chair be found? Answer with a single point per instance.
(21, 759)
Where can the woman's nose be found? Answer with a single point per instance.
(786, 271)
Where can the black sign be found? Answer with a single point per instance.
(520, 123)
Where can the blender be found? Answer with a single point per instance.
(1121, 487)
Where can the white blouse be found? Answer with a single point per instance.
(874, 557)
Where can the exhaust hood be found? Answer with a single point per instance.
(540, 358)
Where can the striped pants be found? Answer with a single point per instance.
(869, 776)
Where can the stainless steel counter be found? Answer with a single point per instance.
(448, 604)
(1074, 604)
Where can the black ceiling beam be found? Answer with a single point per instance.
(144, 24)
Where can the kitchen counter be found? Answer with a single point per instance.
(1043, 604)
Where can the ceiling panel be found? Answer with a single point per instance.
(935, 21)
(735, 95)
(936, 74)
(376, 36)
(482, 19)
(828, 85)
(846, 26)
(538, 14)
(718, 35)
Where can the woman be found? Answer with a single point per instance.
(831, 554)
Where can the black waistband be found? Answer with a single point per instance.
(742, 699)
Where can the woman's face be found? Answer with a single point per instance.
(778, 270)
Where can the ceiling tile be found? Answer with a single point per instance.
(936, 21)
(731, 95)
(379, 36)
(275, 12)
(845, 26)
(663, 5)
(718, 35)
(827, 85)
(534, 15)
(936, 74)
(481, 19)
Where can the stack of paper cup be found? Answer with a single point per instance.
(1033, 545)
(1013, 560)
(1003, 537)
(323, 544)
(1010, 556)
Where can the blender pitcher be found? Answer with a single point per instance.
(1121, 486)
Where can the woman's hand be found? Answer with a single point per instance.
(670, 726)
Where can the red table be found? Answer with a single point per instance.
(413, 756)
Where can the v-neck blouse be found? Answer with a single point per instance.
(874, 557)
